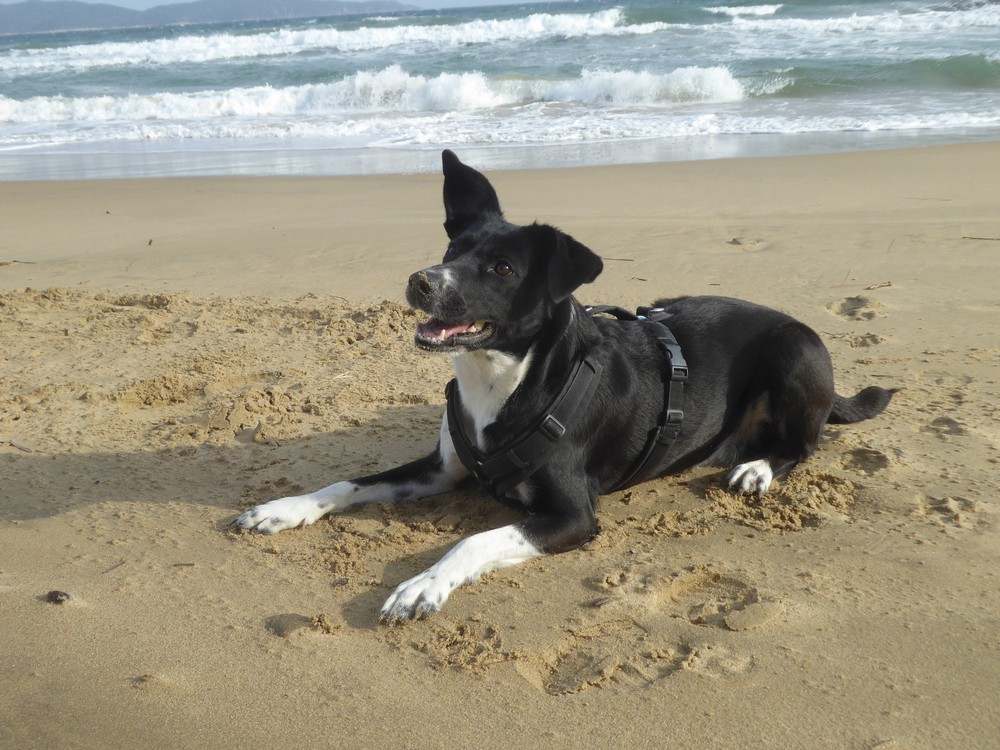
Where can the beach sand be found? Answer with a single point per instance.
(174, 351)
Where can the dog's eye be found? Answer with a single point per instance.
(503, 268)
(450, 252)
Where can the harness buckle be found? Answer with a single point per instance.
(674, 416)
(552, 428)
(678, 366)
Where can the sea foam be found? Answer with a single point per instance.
(293, 41)
(391, 89)
(744, 10)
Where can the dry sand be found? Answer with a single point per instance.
(172, 351)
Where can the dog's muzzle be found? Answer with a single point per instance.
(450, 325)
(434, 291)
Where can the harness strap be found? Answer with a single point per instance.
(668, 425)
(504, 469)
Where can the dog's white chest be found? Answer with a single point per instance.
(486, 379)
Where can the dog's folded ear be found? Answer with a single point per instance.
(571, 264)
(467, 195)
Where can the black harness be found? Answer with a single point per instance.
(505, 468)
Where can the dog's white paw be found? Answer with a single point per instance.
(278, 515)
(421, 595)
(754, 476)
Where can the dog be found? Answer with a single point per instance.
(580, 399)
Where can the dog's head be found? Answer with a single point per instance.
(499, 282)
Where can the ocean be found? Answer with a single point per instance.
(516, 86)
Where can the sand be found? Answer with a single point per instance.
(174, 351)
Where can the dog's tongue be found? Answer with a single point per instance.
(437, 329)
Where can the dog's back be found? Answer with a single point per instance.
(761, 388)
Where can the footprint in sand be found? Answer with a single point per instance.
(865, 460)
(284, 625)
(717, 661)
(945, 427)
(473, 645)
(950, 512)
(856, 308)
(858, 340)
(635, 640)
(620, 650)
(705, 597)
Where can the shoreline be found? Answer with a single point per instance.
(177, 350)
(161, 160)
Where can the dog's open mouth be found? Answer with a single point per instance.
(436, 334)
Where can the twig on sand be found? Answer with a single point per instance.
(984, 239)
(844, 282)
(12, 262)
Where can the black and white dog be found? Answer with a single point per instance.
(759, 394)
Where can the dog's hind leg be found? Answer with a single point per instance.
(795, 387)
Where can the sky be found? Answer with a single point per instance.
(145, 4)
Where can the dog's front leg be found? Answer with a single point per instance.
(464, 563)
(438, 472)
(486, 552)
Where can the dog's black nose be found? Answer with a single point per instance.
(421, 288)
(420, 283)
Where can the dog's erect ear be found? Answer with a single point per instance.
(572, 264)
(467, 195)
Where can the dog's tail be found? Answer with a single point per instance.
(864, 405)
